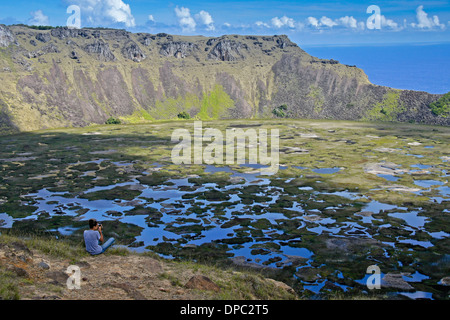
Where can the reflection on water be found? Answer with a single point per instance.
(187, 219)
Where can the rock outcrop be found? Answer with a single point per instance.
(6, 37)
(178, 49)
(227, 50)
(101, 50)
(146, 40)
(50, 48)
(133, 52)
(63, 33)
(43, 37)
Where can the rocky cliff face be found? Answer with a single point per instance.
(69, 77)
(227, 50)
(6, 37)
(101, 50)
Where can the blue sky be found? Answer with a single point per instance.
(305, 22)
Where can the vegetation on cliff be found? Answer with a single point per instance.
(388, 109)
(441, 107)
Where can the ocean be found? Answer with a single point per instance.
(412, 67)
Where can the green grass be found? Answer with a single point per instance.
(215, 104)
(248, 286)
(316, 95)
(9, 285)
(388, 109)
(63, 249)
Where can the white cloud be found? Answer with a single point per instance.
(205, 19)
(38, 19)
(313, 22)
(325, 21)
(189, 23)
(185, 20)
(424, 22)
(120, 12)
(151, 18)
(388, 23)
(361, 25)
(262, 24)
(348, 22)
(283, 22)
(104, 12)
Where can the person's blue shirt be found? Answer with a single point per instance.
(91, 239)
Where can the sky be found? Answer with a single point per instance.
(308, 23)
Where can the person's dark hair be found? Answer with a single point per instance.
(92, 223)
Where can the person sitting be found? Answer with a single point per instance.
(94, 236)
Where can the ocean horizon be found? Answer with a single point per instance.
(420, 67)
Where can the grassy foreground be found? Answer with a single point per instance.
(31, 268)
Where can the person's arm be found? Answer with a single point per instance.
(101, 233)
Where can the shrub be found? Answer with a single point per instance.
(113, 120)
(279, 112)
(184, 115)
(36, 27)
(441, 107)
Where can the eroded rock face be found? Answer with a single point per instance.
(43, 37)
(50, 48)
(6, 37)
(133, 52)
(283, 42)
(63, 33)
(146, 40)
(101, 49)
(178, 49)
(227, 50)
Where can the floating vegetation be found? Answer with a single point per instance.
(347, 196)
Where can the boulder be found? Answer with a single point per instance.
(43, 265)
(73, 55)
(445, 281)
(200, 282)
(396, 281)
